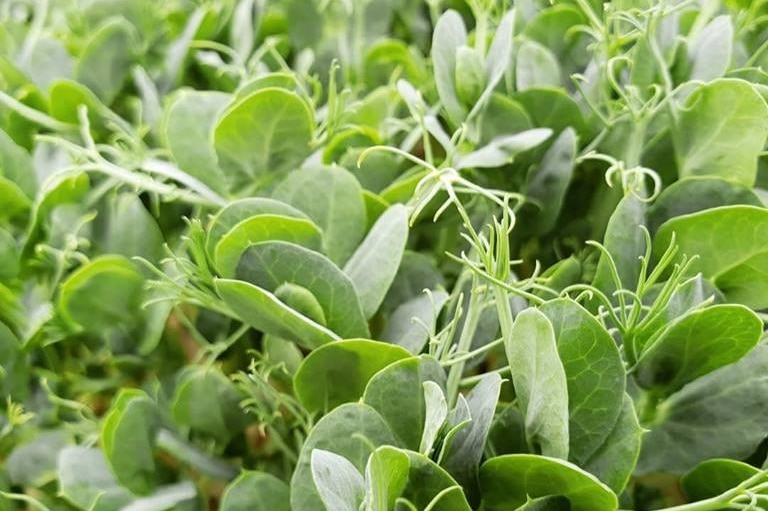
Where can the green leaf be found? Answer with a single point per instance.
(462, 456)
(536, 66)
(373, 266)
(237, 211)
(417, 272)
(339, 484)
(128, 439)
(449, 34)
(502, 150)
(625, 241)
(272, 264)
(263, 134)
(261, 228)
(509, 481)
(697, 344)
(502, 116)
(710, 478)
(549, 182)
(594, 373)
(429, 484)
(435, 414)
(698, 194)
(353, 431)
(405, 326)
(469, 75)
(540, 382)
(721, 131)
(732, 400)
(9, 256)
(615, 460)
(265, 312)
(182, 496)
(128, 229)
(34, 463)
(102, 294)
(507, 434)
(281, 80)
(549, 503)
(339, 211)
(16, 166)
(397, 393)
(339, 372)
(256, 491)
(710, 52)
(549, 26)
(86, 481)
(552, 108)
(386, 476)
(106, 59)
(207, 402)
(187, 126)
(49, 61)
(14, 366)
(13, 198)
(730, 243)
(386, 57)
(301, 300)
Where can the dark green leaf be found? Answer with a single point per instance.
(373, 266)
(509, 481)
(697, 344)
(721, 131)
(339, 372)
(270, 265)
(353, 431)
(128, 439)
(256, 491)
(730, 243)
(594, 372)
(339, 211)
(718, 415)
(263, 134)
(397, 393)
(102, 294)
(261, 228)
(264, 311)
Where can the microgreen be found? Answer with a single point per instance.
(383, 255)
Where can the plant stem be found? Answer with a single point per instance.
(724, 500)
(465, 342)
(462, 357)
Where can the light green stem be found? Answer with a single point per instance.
(465, 342)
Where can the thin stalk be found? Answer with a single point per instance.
(34, 115)
(722, 500)
(463, 357)
(465, 342)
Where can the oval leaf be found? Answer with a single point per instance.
(261, 228)
(265, 312)
(272, 264)
(267, 132)
(373, 266)
(509, 481)
(697, 344)
(339, 372)
(540, 382)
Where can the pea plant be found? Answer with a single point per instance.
(373, 255)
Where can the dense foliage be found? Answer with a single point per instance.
(369, 255)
